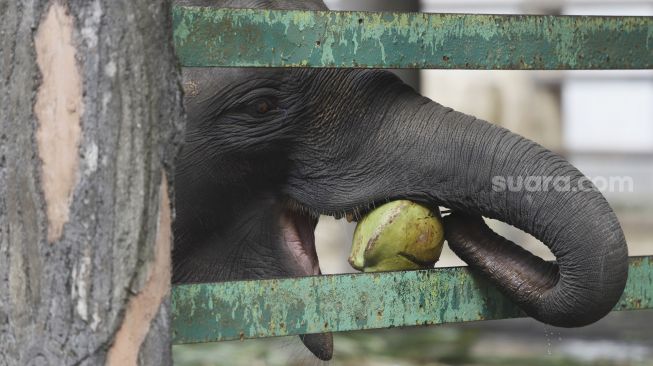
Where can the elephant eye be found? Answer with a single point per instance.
(262, 106)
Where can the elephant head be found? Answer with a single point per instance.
(269, 150)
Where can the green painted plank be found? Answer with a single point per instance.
(275, 38)
(267, 308)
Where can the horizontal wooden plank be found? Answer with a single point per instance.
(275, 38)
(267, 308)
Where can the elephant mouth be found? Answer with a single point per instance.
(298, 222)
(298, 230)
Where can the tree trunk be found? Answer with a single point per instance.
(90, 113)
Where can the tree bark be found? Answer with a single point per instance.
(90, 122)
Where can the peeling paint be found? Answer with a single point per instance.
(143, 307)
(269, 308)
(276, 38)
(58, 109)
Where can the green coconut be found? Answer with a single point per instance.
(400, 235)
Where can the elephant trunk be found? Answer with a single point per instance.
(475, 169)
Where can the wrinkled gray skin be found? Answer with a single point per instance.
(268, 150)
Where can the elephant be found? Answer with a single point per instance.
(269, 150)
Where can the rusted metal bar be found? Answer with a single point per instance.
(275, 38)
(268, 308)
